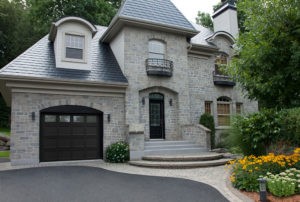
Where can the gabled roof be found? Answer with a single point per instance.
(155, 14)
(200, 39)
(38, 62)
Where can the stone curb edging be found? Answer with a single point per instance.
(237, 193)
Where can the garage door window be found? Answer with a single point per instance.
(91, 119)
(64, 119)
(78, 119)
(50, 118)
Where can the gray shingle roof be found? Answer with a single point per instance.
(155, 11)
(39, 62)
(200, 39)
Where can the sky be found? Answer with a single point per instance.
(190, 8)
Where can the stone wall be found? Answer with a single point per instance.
(196, 133)
(25, 132)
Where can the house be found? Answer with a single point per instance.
(149, 75)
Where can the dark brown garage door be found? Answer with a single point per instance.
(74, 133)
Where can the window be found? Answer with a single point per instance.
(64, 118)
(74, 46)
(207, 107)
(78, 119)
(221, 62)
(157, 49)
(239, 108)
(223, 110)
(50, 118)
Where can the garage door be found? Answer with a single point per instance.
(71, 133)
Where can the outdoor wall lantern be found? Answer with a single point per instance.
(108, 118)
(32, 116)
(262, 189)
(171, 102)
(143, 101)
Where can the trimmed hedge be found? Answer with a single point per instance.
(208, 121)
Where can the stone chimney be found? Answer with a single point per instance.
(225, 18)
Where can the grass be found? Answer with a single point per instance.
(4, 154)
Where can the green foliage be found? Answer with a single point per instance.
(255, 132)
(16, 33)
(267, 66)
(285, 183)
(208, 121)
(43, 13)
(4, 114)
(290, 125)
(118, 152)
(268, 130)
(205, 20)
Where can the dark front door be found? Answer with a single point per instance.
(157, 120)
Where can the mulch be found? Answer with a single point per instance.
(271, 198)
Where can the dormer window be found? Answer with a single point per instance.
(74, 47)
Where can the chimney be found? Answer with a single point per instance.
(225, 18)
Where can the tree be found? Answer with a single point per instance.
(43, 13)
(204, 19)
(16, 32)
(267, 66)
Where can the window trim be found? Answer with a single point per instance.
(66, 59)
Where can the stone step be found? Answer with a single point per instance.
(191, 157)
(166, 142)
(179, 164)
(158, 147)
(174, 151)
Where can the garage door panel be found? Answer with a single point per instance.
(71, 137)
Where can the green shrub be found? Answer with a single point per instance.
(117, 152)
(285, 183)
(208, 121)
(4, 114)
(290, 126)
(255, 132)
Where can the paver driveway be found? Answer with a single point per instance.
(74, 183)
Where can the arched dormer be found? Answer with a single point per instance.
(72, 38)
(224, 34)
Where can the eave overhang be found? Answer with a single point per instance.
(118, 23)
(9, 84)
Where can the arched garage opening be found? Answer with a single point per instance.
(70, 132)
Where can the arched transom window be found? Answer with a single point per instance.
(157, 49)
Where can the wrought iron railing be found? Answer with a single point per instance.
(225, 80)
(159, 67)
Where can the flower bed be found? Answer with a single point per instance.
(247, 170)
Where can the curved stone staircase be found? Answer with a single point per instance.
(178, 154)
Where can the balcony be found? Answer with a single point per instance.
(223, 80)
(159, 67)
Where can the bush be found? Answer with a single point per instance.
(117, 152)
(285, 183)
(255, 132)
(247, 170)
(208, 121)
(290, 125)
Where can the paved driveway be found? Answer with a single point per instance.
(72, 183)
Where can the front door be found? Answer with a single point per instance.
(157, 120)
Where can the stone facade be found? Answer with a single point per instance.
(25, 132)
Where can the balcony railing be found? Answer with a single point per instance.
(159, 67)
(223, 80)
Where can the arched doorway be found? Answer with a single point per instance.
(71, 132)
(156, 116)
